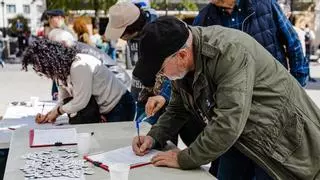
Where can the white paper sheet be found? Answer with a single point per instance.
(52, 136)
(123, 155)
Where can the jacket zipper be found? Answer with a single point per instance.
(246, 20)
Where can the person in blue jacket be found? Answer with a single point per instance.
(264, 21)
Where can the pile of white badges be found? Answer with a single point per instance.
(48, 164)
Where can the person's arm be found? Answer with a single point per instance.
(298, 64)
(62, 94)
(234, 77)
(155, 103)
(81, 79)
(171, 121)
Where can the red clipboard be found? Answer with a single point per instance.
(105, 167)
(31, 137)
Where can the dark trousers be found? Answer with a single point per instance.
(232, 165)
(123, 111)
(3, 161)
(190, 131)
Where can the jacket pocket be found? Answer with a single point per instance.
(290, 137)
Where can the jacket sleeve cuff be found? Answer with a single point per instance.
(185, 161)
(156, 135)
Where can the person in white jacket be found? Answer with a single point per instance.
(88, 91)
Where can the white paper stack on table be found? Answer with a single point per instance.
(123, 155)
(53, 137)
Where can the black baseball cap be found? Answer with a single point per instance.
(159, 40)
(55, 12)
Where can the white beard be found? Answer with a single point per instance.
(180, 76)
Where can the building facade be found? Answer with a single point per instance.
(30, 9)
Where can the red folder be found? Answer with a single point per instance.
(105, 167)
(31, 136)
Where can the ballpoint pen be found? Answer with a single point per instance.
(137, 124)
(138, 132)
(138, 121)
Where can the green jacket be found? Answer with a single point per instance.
(248, 100)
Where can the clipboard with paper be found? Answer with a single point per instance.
(52, 137)
(123, 155)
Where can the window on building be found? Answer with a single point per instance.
(38, 22)
(11, 8)
(26, 9)
(40, 8)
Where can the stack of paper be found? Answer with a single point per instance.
(123, 155)
(51, 137)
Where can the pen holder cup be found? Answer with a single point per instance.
(119, 171)
(83, 143)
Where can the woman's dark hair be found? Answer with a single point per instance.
(138, 25)
(49, 58)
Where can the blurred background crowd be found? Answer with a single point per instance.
(20, 20)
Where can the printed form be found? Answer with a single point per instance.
(52, 136)
(123, 155)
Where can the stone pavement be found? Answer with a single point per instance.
(17, 85)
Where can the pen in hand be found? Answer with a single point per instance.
(137, 125)
(138, 132)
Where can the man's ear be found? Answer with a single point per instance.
(183, 57)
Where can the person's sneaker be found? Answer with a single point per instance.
(312, 79)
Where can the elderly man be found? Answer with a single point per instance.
(266, 23)
(247, 99)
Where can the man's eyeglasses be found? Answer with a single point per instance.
(164, 64)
